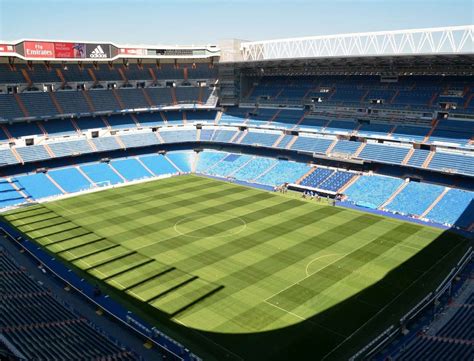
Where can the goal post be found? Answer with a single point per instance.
(100, 184)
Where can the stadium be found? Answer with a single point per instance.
(305, 198)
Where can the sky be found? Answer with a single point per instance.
(198, 22)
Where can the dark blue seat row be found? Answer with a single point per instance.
(40, 327)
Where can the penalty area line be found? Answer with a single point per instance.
(207, 338)
(306, 319)
(388, 304)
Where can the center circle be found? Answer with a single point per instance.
(207, 226)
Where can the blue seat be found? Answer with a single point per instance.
(384, 153)
(285, 141)
(9, 196)
(208, 159)
(70, 179)
(121, 121)
(178, 136)
(345, 147)
(130, 169)
(415, 198)
(87, 123)
(372, 191)
(158, 164)
(223, 135)
(101, 173)
(37, 186)
(450, 209)
(418, 157)
(71, 147)
(452, 162)
(139, 140)
(284, 172)
(72, 101)
(7, 157)
(336, 181)
(150, 119)
(103, 100)
(229, 164)
(318, 176)
(132, 98)
(255, 168)
(312, 144)
(105, 143)
(183, 160)
(174, 117)
(260, 138)
(33, 153)
(206, 135)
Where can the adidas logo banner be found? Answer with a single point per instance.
(98, 51)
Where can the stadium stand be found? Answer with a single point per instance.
(253, 169)
(223, 135)
(101, 173)
(260, 138)
(37, 186)
(345, 147)
(451, 207)
(283, 171)
(453, 340)
(31, 318)
(336, 181)
(182, 160)
(207, 159)
(150, 119)
(158, 164)
(121, 121)
(384, 153)
(178, 136)
(312, 144)
(229, 165)
(418, 157)
(90, 123)
(33, 153)
(372, 191)
(130, 169)
(69, 148)
(415, 198)
(9, 196)
(58, 127)
(70, 179)
(139, 140)
(7, 157)
(392, 143)
(105, 143)
(450, 162)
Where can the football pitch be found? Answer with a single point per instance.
(239, 273)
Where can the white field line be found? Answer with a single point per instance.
(388, 304)
(215, 343)
(241, 229)
(289, 312)
(318, 258)
(244, 225)
(305, 319)
(337, 259)
(291, 285)
(116, 282)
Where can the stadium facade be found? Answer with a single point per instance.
(381, 122)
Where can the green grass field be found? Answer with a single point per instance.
(240, 273)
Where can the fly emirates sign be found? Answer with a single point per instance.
(36, 49)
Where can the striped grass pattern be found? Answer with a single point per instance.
(229, 260)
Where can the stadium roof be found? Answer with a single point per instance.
(430, 41)
(73, 50)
